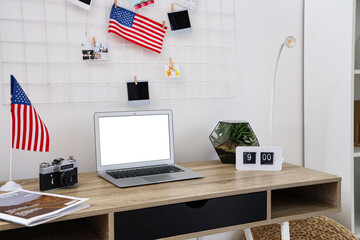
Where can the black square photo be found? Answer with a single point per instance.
(85, 4)
(179, 22)
(138, 94)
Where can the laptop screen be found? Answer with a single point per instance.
(133, 138)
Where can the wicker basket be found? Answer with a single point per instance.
(313, 228)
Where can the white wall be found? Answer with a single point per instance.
(261, 26)
(328, 98)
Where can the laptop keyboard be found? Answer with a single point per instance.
(139, 172)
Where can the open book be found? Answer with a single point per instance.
(33, 208)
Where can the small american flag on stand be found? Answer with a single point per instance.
(137, 29)
(28, 130)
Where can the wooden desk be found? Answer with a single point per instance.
(293, 193)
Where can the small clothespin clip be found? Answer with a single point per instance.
(135, 80)
(115, 1)
(171, 61)
(163, 25)
(94, 42)
(172, 7)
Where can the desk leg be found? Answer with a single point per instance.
(285, 231)
(248, 234)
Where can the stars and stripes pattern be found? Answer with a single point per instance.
(28, 130)
(137, 29)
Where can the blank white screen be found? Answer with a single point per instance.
(130, 139)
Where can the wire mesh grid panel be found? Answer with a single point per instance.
(41, 46)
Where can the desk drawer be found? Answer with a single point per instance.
(183, 218)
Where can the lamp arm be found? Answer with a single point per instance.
(273, 95)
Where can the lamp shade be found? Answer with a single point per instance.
(290, 41)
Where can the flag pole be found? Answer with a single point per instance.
(11, 153)
(10, 185)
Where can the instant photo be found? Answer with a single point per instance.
(141, 3)
(138, 94)
(98, 52)
(172, 70)
(189, 4)
(85, 4)
(179, 22)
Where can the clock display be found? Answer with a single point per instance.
(249, 157)
(258, 158)
(267, 158)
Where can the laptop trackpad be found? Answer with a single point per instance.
(158, 178)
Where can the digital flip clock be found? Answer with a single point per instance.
(259, 158)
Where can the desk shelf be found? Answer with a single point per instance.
(90, 228)
(307, 200)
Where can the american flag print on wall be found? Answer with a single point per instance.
(137, 28)
(28, 130)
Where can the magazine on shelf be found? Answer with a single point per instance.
(33, 208)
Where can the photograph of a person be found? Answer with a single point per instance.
(141, 3)
(172, 70)
(98, 52)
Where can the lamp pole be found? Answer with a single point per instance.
(289, 42)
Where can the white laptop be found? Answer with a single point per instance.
(137, 148)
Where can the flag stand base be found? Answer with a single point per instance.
(10, 186)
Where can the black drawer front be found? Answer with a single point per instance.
(182, 218)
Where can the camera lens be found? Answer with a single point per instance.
(69, 178)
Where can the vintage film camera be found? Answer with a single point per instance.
(61, 173)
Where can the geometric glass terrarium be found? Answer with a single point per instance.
(227, 135)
